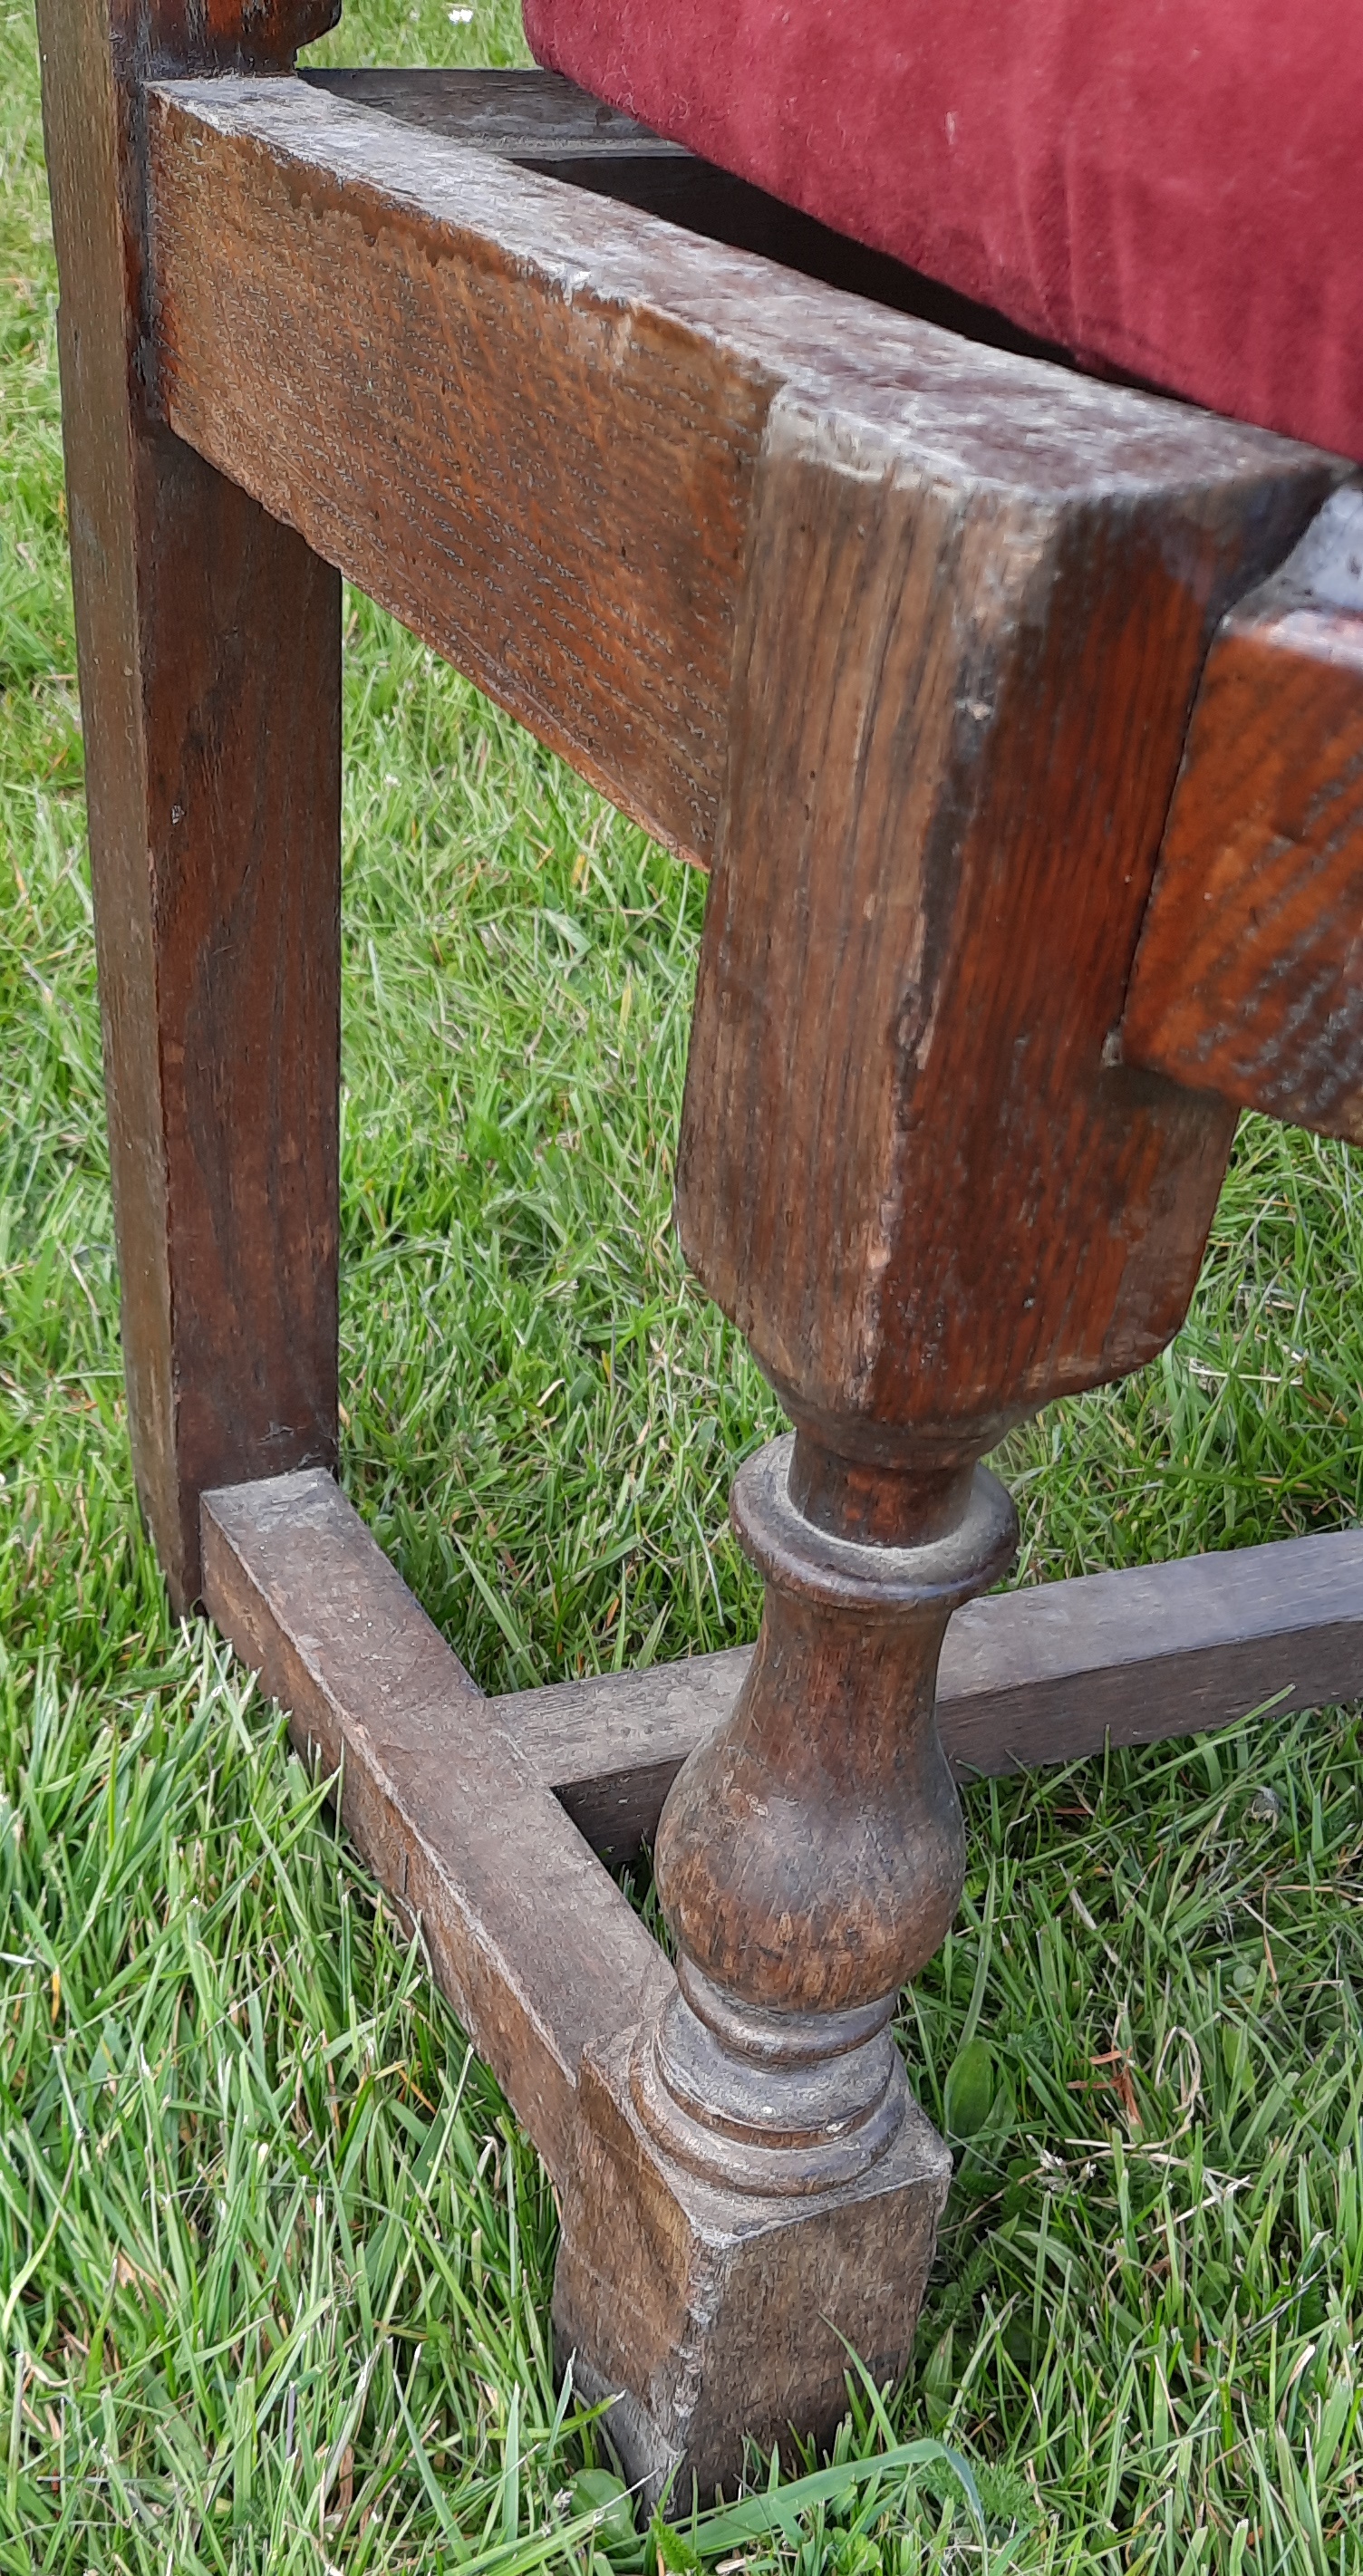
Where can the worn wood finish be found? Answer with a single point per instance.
(1050, 1674)
(909, 1169)
(715, 2317)
(853, 1632)
(209, 652)
(694, 2298)
(534, 1944)
(544, 123)
(610, 1748)
(545, 462)
(528, 116)
(810, 1855)
(709, 2313)
(533, 467)
(1249, 976)
(685, 2294)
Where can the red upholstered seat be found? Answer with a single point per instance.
(1173, 188)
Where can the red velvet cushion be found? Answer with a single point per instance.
(1170, 187)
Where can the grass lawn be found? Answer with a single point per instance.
(274, 2261)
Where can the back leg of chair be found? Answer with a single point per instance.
(209, 648)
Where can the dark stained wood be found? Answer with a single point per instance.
(1051, 1674)
(908, 1169)
(809, 1859)
(457, 411)
(966, 602)
(707, 2313)
(209, 648)
(527, 418)
(145, 37)
(531, 1940)
(524, 115)
(610, 1748)
(1249, 976)
(713, 2317)
(850, 1886)
(541, 121)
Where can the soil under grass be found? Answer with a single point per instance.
(274, 2261)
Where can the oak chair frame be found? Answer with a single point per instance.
(944, 658)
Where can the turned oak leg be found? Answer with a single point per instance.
(756, 2193)
(915, 1172)
(209, 650)
(810, 1857)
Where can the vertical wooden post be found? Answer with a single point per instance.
(914, 1171)
(209, 652)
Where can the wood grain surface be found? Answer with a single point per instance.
(1050, 1674)
(810, 1857)
(1249, 976)
(903, 630)
(544, 123)
(533, 1943)
(526, 115)
(909, 1169)
(557, 1982)
(481, 422)
(527, 418)
(708, 2319)
(209, 654)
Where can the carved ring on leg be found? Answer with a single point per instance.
(775, 2103)
(810, 1856)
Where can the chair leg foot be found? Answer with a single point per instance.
(712, 2315)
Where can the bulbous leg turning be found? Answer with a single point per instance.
(756, 2150)
(810, 1856)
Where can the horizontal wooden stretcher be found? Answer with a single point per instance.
(1019, 718)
